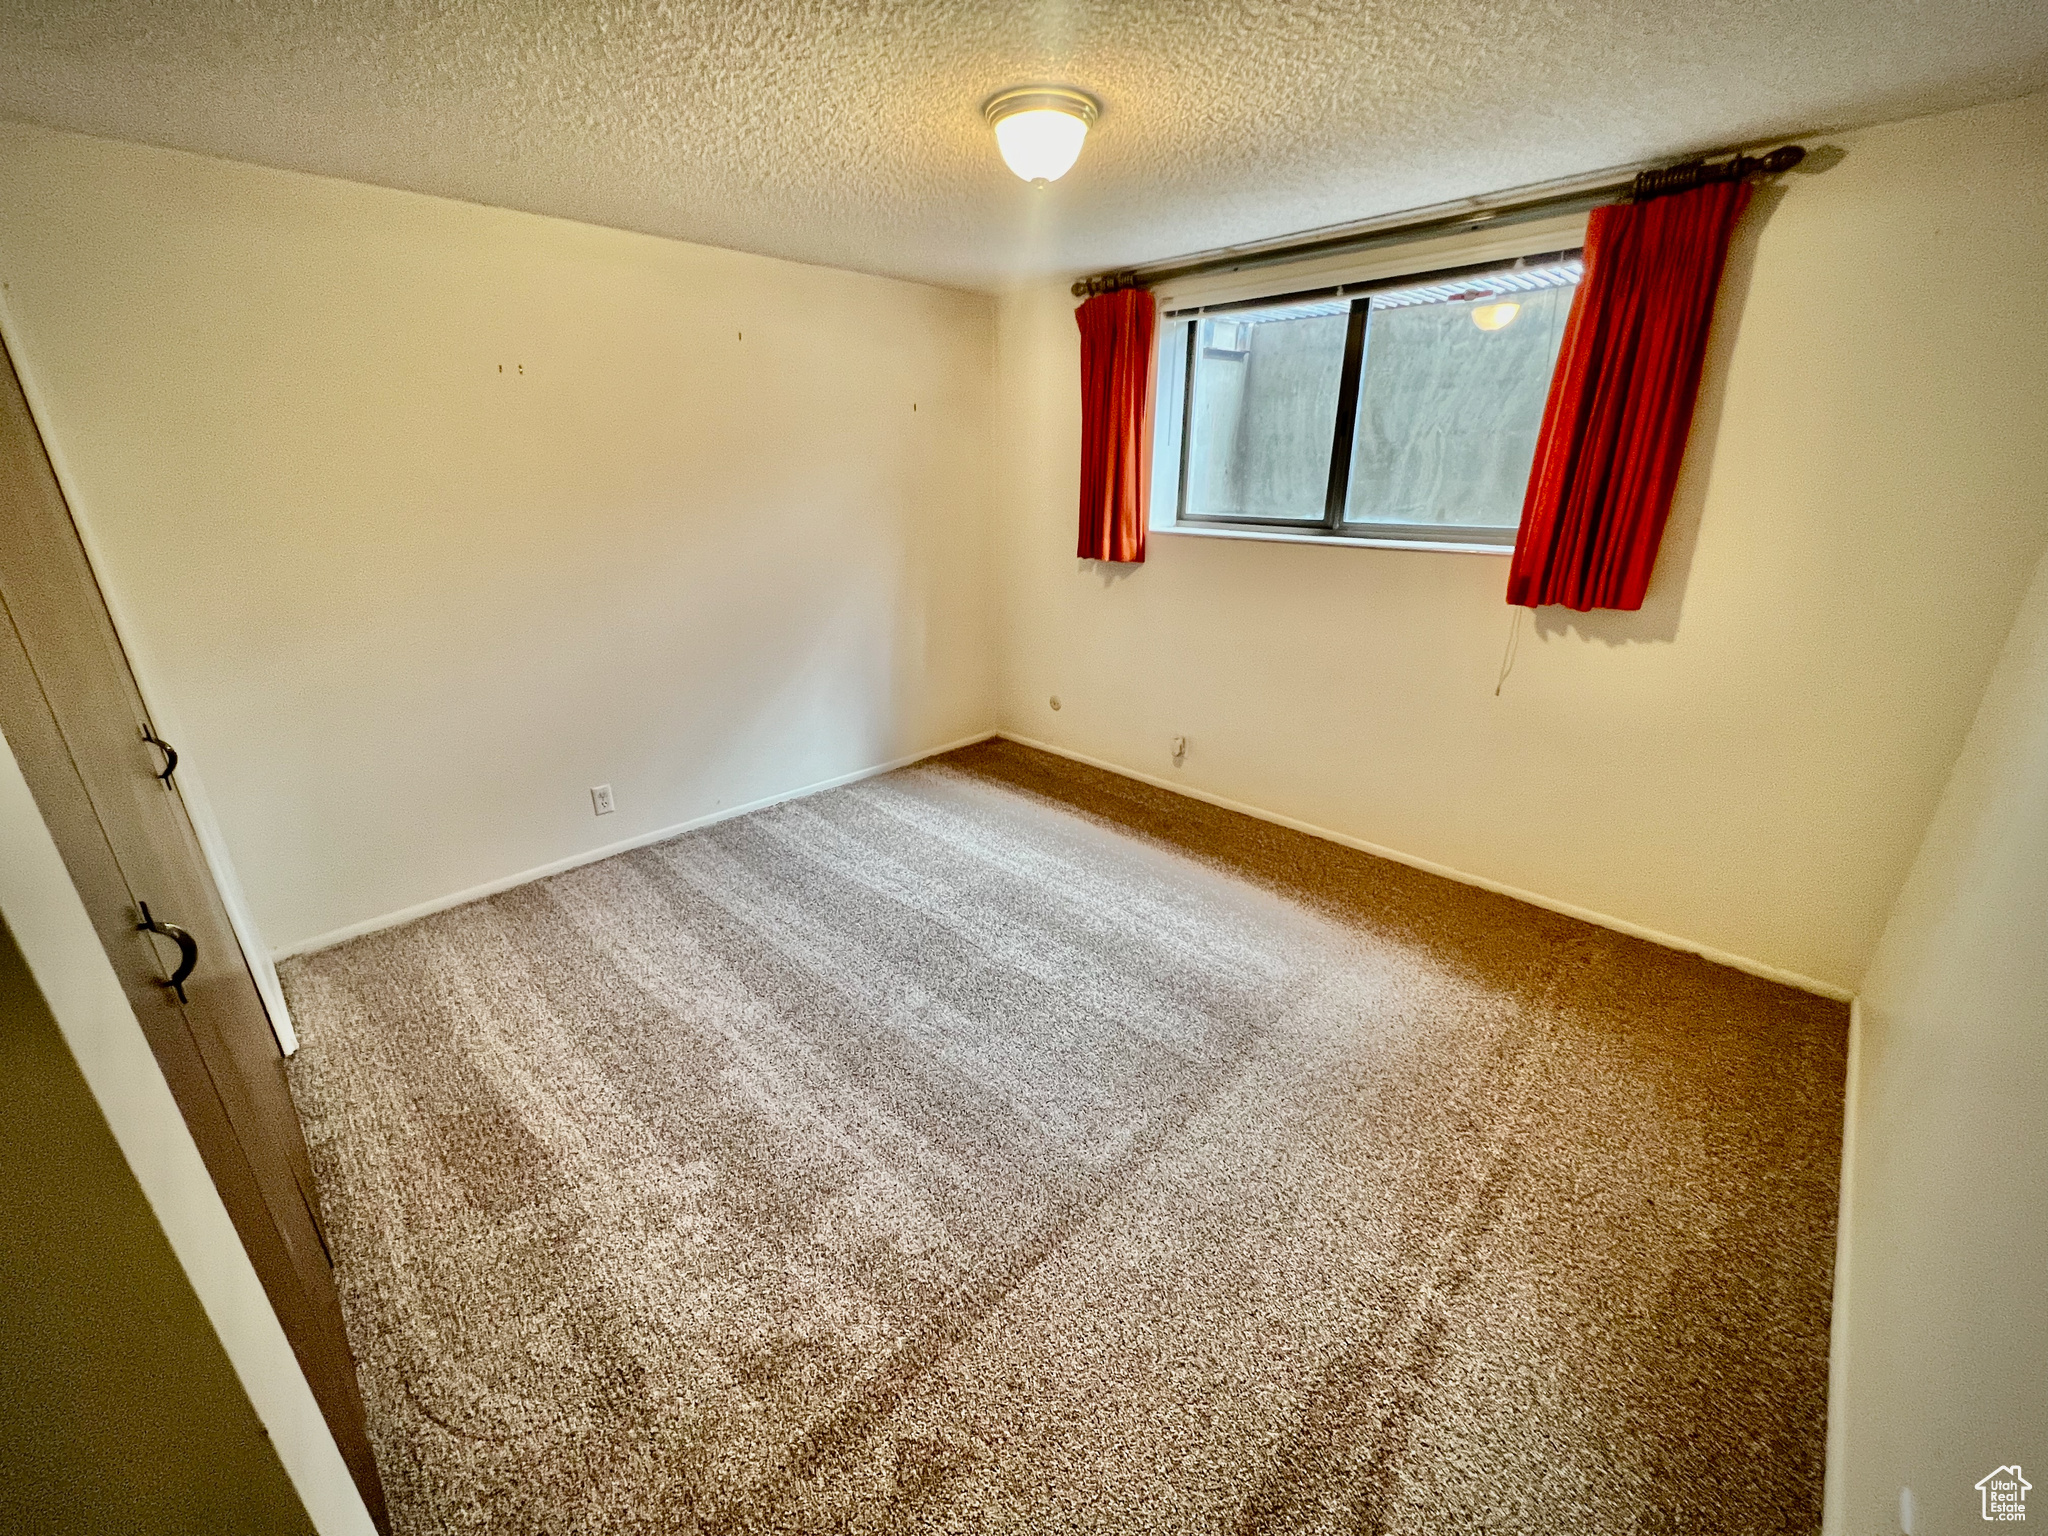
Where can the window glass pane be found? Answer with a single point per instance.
(1264, 409)
(1451, 398)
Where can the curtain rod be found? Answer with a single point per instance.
(1467, 213)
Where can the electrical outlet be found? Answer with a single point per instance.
(1180, 748)
(601, 799)
(1908, 1516)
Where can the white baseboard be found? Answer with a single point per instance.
(576, 860)
(1536, 899)
(1620, 925)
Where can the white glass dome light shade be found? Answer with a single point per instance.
(1040, 130)
(1041, 145)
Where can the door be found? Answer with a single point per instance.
(107, 786)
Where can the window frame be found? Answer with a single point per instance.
(1332, 526)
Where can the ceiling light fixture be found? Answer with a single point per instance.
(1040, 128)
(1494, 317)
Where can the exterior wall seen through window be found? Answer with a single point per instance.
(1406, 411)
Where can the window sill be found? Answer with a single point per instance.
(1330, 540)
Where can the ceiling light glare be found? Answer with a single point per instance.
(1494, 317)
(1040, 130)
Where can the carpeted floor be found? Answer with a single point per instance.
(1001, 1145)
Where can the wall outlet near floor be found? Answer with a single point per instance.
(601, 799)
(1907, 1521)
(1180, 748)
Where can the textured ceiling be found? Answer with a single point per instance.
(849, 133)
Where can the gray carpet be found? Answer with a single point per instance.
(1001, 1145)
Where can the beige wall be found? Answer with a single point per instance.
(1941, 1369)
(1746, 765)
(403, 609)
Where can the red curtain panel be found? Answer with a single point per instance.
(1116, 371)
(1621, 401)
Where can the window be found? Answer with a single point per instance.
(1401, 409)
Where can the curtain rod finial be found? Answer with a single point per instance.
(1699, 173)
(1105, 282)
